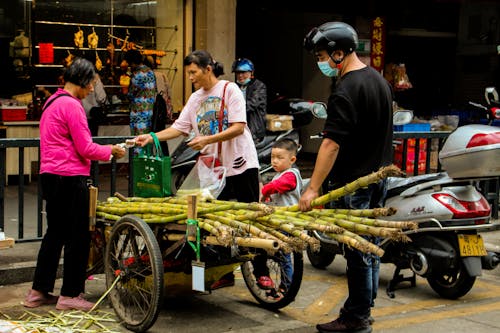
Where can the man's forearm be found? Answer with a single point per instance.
(327, 154)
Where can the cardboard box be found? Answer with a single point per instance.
(7, 243)
(276, 122)
(13, 113)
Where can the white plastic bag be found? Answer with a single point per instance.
(204, 177)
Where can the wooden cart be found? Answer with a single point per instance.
(143, 262)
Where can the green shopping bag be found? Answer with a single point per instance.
(152, 172)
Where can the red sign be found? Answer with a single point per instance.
(377, 52)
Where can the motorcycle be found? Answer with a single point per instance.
(447, 248)
(183, 158)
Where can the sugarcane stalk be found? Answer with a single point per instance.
(290, 243)
(352, 187)
(246, 227)
(307, 224)
(373, 212)
(411, 225)
(292, 230)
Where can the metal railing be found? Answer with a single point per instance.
(21, 144)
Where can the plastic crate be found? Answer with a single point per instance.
(414, 127)
(13, 113)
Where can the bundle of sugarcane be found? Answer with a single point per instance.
(284, 228)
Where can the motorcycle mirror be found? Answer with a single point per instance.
(402, 117)
(319, 110)
(491, 95)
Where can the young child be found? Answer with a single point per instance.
(286, 186)
(284, 190)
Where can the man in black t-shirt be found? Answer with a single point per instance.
(357, 141)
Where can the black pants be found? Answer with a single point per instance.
(67, 208)
(243, 187)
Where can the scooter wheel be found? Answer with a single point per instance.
(452, 284)
(323, 258)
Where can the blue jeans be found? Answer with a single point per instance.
(362, 268)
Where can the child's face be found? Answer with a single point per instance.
(282, 159)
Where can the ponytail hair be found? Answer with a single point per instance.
(203, 59)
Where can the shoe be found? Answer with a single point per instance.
(274, 295)
(341, 325)
(223, 282)
(265, 282)
(74, 303)
(37, 298)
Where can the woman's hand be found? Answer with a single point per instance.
(199, 142)
(117, 151)
(143, 140)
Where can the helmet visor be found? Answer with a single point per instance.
(313, 38)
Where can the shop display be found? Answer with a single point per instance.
(93, 39)
(78, 38)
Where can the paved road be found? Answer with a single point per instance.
(322, 293)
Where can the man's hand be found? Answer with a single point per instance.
(307, 197)
(199, 142)
(143, 140)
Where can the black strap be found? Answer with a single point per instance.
(53, 99)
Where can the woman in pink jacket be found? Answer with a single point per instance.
(66, 150)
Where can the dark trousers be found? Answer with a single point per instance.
(67, 208)
(243, 187)
(362, 268)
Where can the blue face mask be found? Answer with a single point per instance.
(245, 82)
(325, 68)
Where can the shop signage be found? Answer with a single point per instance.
(377, 53)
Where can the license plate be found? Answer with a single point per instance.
(471, 245)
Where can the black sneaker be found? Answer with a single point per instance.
(341, 325)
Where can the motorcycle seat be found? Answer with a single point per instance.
(397, 185)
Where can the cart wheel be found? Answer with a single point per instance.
(284, 290)
(133, 253)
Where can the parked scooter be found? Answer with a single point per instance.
(447, 248)
(183, 157)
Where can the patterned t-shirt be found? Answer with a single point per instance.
(201, 114)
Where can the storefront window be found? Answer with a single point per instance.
(48, 35)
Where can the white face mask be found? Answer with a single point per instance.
(327, 70)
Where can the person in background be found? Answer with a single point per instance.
(66, 151)
(226, 137)
(283, 190)
(162, 86)
(141, 92)
(359, 107)
(94, 102)
(255, 93)
(163, 109)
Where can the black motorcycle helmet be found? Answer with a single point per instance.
(332, 36)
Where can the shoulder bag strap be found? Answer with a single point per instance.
(53, 99)
(221, 118)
